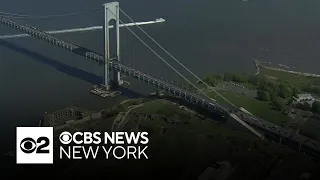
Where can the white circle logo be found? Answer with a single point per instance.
(65, 137)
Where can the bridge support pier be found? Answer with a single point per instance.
(111, 76)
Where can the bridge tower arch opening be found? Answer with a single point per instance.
(111, 17)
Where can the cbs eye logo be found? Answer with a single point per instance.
(34, 145)
(65, 137)
(29, 145)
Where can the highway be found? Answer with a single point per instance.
(286, 134)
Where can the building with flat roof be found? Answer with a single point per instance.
(304, 98)
(62, 116)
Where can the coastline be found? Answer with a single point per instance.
(258, 66)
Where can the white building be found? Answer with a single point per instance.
(304, 98)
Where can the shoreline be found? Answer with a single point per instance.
(256, 62)
(258, 66)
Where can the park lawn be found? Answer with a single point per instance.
(258, 108)
(153, 107)
(248, 85)
(126, 103)
(294, 79)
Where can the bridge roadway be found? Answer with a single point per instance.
(307, 145)
(53, 40)
(161, 84)
(171, 88)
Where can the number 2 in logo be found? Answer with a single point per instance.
(29, 145)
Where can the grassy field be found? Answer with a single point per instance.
(258, 108)
(296, 80)
(248, 85)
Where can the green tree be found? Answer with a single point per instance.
(279, 104)
(254, 80)
(273, 95)
(206, 79)
(187, 85)
(219, 77)
(295, 91)
(312, 89)
(227, 77)
(285, 91)
(273, 85)
(239, 78)
(316, 90)
(263, 80)
(210, 81)
(263, 95)
(266, 87)
(273, 89)
(307, 88)
(316, 107)
(290, 101)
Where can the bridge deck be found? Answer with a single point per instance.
(170, 88)
(53, 40)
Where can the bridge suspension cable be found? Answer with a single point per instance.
(162, 59)
(27, 16)
(208, 86)
(186, 68)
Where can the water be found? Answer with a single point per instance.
(207, 36)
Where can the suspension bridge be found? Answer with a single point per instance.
(113, 67)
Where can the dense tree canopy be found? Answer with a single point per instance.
(316, 107)
(210, 80)
(295, 91)
(263, 95)
(273, 85)
(219, 77)
(312, 89)
(254, 80)
(279, 104)
(263, 79)
(227, 77)
(285, 91)
(239, 78)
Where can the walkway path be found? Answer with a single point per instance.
(120, 120)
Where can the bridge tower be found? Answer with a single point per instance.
(111, 76)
